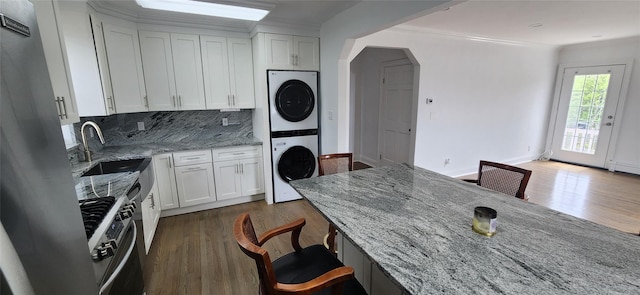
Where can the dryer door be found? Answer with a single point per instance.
(298, 162)
(294, 100)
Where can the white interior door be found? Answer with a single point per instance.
(396, 105)
(586, 112)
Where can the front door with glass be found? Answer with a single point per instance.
(586, 112)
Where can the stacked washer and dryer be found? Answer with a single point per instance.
(293, 112)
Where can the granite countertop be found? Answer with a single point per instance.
(119, 183)
(415, 225)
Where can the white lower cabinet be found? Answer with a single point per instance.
(166, 181)
(194, 177)
(190, 181)
(238, 171)
(150, 216)
(374, 281)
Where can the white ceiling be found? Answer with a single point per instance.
(309, 14)
(562, 22)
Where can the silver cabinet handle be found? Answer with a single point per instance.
(293, 59)
(169, 162)
(180, 100)
(296, 57)
(241, 168)
(173, 97)
(146, 101)
(609, 124)
(58, 107)
(229, 99)
(153, 202)
(193, 168)
(233, 97)
(192, 158)
(64, 107)
(110, 103)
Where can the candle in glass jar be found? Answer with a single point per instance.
(485, 221)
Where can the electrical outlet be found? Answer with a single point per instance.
(225, 121)
(140, 126)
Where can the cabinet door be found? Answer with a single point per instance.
(227, 175)
(195, 184)
(51, 34)
(279, 51)
(125, 68)
(251, 176)
(157, 65)
(241, 73)
(306, 51)
(187, 64)
(215, 67)
(166, 181)
(103, 68)
(150, 216)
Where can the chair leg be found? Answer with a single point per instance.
(331, 239)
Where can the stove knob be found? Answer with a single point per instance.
(104, 250)
(112, 244)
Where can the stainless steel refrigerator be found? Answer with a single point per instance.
(38, 204)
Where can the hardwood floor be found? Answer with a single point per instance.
(197, 254)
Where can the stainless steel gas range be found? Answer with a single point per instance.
(112, 234)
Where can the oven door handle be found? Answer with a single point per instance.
(118, 269)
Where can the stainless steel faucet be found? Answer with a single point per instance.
(87, 153)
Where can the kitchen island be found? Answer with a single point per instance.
(415, 225)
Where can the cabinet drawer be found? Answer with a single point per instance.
(193, 157)
(234, 153)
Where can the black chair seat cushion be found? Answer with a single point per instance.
(309, 263)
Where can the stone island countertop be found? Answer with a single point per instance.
(415, 225)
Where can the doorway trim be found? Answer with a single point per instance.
(414, 104)
(553, 118)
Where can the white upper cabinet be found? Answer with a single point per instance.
(228, 72)
(125, 68)
(187, 64)
(286, 52)
(307, 53)
(172, 71)
(52, 35)
(157, 64)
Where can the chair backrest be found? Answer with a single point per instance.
(248, 241)
(504, 178)
(335, 163)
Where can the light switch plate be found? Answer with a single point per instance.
(140, 126)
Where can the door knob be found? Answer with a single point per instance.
(609, 124)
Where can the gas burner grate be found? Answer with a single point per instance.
(93, 211)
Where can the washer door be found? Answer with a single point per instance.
(298, 162)
(294, 100)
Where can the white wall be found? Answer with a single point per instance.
(336, 38)
(366, 107)
(627, 150)
(491, 100)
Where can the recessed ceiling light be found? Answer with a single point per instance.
(205, 8)
(536, 25)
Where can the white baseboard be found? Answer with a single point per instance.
(624, 167)
(474, 169)
(369, 161)
(212, 205)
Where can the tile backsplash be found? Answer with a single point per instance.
(159, 127)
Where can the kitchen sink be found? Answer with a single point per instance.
(118, 166)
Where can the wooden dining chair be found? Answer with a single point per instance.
(332, 164)
(503, 178)
(310, 270)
